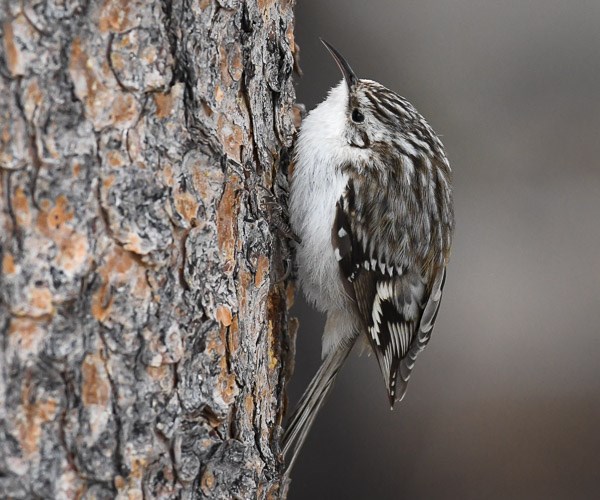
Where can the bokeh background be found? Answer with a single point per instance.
(505, 401)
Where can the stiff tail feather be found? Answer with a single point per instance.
(313, 398)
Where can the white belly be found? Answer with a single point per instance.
(315, 190)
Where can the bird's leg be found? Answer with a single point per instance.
(279, 215)
(275, 205)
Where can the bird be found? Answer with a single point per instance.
(371, 203)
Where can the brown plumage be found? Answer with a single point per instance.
(371, 200)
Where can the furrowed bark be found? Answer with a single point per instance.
(144, 341)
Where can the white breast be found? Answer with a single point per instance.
(316, 187)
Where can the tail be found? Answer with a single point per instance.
(313, 398)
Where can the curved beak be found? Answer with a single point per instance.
(345, 68)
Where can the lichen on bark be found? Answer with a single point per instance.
(144, 340)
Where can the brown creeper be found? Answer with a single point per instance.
(372, 204)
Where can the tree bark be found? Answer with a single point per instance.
(144, 341)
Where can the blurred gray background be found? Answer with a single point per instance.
(505, 401)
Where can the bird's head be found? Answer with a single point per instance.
(365, 124)
(372, 114)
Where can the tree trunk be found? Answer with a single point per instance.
(144, 345)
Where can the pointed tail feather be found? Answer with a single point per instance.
(313, 398)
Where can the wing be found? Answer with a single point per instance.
(398, 306)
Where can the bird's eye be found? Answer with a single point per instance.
(357, 116)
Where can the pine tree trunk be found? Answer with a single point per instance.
(144, 345)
